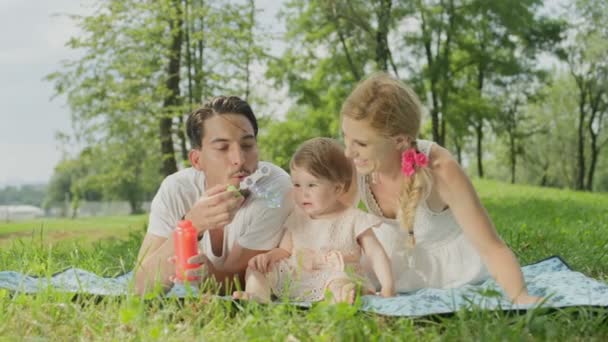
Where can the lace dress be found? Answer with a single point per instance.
(323, 250)
(442, 257)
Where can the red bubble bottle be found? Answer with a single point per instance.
(185, 245)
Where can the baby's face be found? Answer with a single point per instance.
(315, 196)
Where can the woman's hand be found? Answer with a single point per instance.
(387, 292)
(527, 299)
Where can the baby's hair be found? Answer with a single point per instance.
(324, 158)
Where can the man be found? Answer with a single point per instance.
(234, 229)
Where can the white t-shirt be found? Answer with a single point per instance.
(255, 225)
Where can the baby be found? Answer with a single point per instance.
(324, 237)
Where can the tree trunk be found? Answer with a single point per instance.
(544, 179)
(382, 52)
(435, 125)
(181, 135)
(513, 154)
(479, 123)
(479, 131)
(442, 132)
(458, 147)
(169, 165)
(135, 206)
(580, 178)
(181, 129)
(430, 60)
(199, 72)
(248, 60)
(445, 69)
(595, 100)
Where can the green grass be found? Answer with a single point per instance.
(535, 222)
(538, 222)
(84, 230)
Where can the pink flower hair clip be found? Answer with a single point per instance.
(410, 159)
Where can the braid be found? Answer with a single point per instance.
(412, 190)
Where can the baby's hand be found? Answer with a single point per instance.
(263, 262)
(259, 263)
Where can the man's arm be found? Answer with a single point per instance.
(215, 209)
(153, 263)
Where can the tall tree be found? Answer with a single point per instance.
(171, 100)
(126, 93)
(587, 58)
(512, 119)
(433, 40)
(500, 40)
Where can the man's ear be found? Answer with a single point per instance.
(195, 159)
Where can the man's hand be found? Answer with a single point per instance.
(215, 209)
(197, 275)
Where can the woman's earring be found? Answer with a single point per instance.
(374, 178)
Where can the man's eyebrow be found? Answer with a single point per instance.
(220, 140)
(224, 140)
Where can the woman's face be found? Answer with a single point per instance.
(366, 147)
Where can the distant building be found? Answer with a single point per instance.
(19, 212)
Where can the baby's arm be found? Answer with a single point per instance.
(380, 262)
(263, 261)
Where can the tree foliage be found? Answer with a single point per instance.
(478, 66)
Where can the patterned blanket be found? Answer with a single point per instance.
(551, 278)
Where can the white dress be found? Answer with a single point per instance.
(442, 257)
(333, 239)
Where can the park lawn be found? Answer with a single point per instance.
(535, 222)
(85, 229)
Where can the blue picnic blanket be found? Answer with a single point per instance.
(551, 278)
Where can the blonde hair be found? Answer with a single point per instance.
(392, 108)
(324, 158)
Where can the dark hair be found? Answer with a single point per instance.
(195, 125)
(324, 158)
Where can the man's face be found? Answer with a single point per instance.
(229, 150)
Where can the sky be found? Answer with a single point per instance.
(32, 39)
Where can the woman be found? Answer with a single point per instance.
(436, 232)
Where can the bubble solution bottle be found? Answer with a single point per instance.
(185, 243)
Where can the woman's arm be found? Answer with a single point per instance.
(380, 262)
(457, 191)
